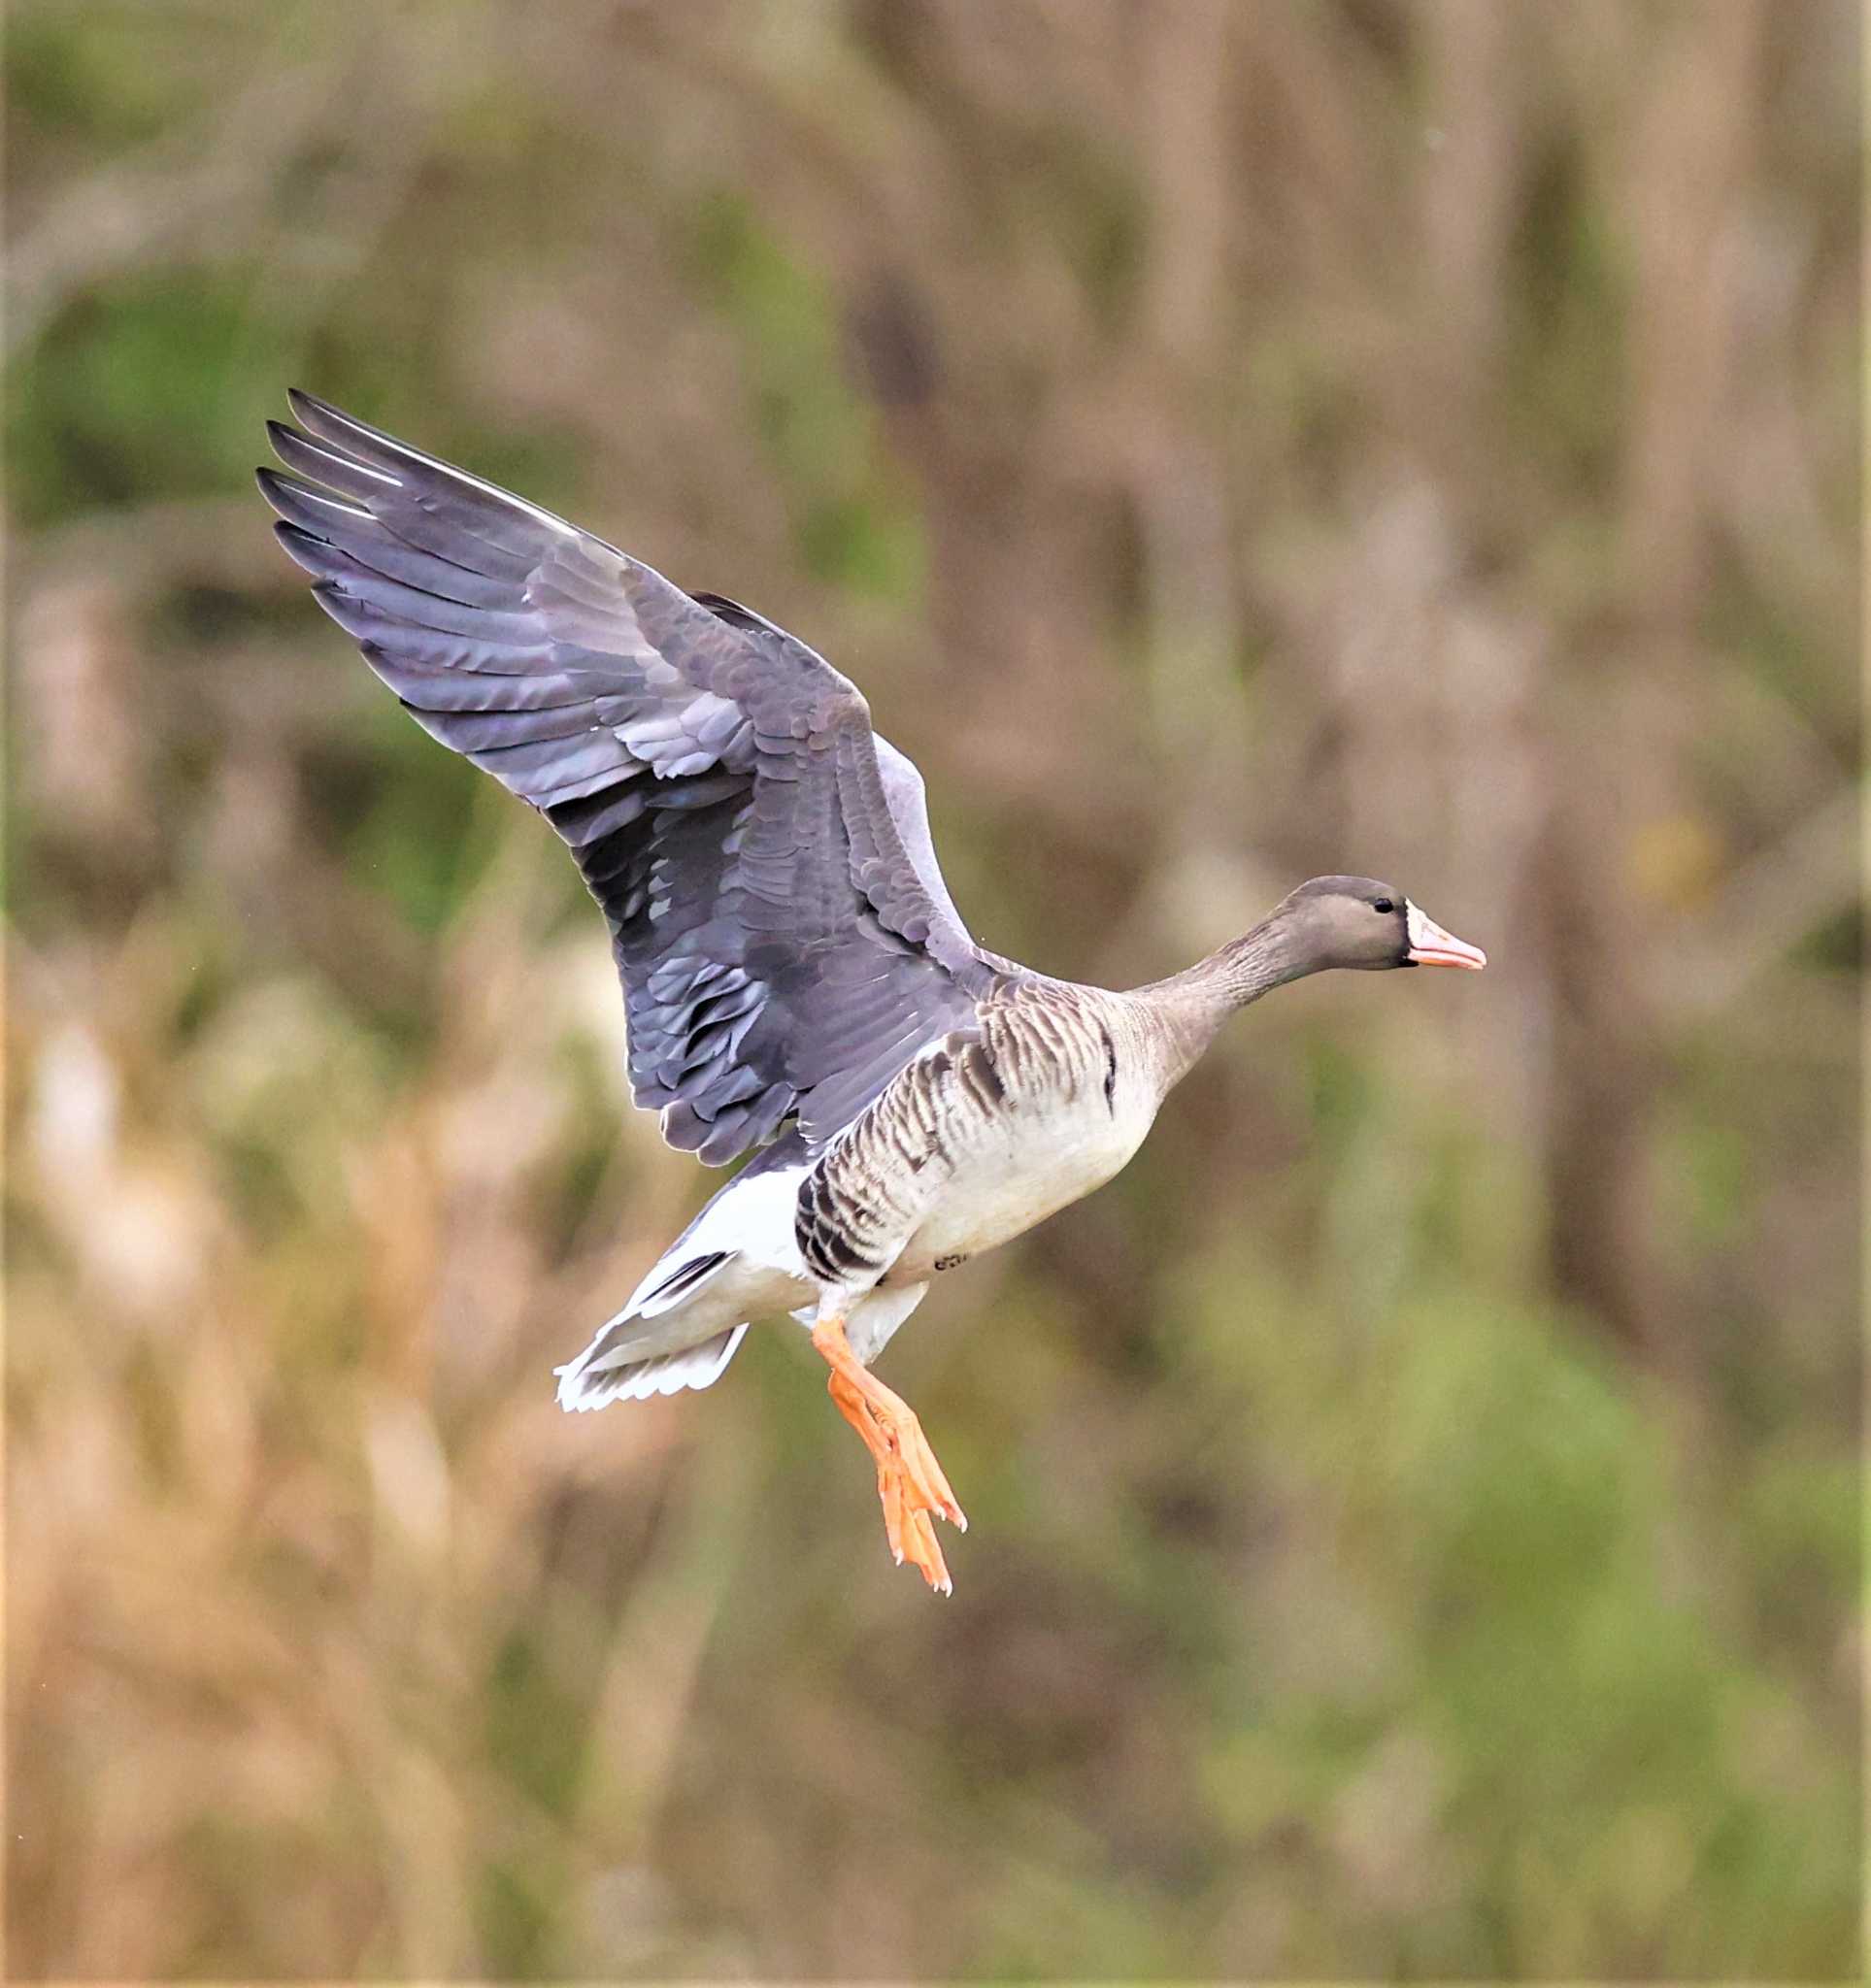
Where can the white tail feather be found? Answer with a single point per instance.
(738, 1257)
(584, 1384)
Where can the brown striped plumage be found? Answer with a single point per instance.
(901, 1188)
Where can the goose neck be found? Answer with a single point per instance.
(1190, 1007)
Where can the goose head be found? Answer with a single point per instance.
(1359, 922)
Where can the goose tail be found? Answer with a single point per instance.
(594, 1381)
(736, 1261)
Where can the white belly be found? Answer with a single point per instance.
(1016, 1171)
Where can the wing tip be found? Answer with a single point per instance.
(307, 407)
(331, 426)
(292, 536)
(288, 494)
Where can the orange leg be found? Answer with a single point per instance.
(910, 1483)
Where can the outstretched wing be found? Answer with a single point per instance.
(782, 934)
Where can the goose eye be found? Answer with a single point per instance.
(1382, 906)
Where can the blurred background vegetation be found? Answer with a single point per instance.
(1415, 1507)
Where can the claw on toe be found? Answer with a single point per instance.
(907, 1525)
(933, 1493)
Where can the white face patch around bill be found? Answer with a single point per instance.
(1431, 947)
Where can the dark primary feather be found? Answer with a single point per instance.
(780, 928)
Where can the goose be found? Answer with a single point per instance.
(797, 981)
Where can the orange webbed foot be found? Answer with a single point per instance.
(911, 1484)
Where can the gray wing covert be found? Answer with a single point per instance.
(783, 936)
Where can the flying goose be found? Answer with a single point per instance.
(797, 981)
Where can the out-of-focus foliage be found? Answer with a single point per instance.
(1415, 1515)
